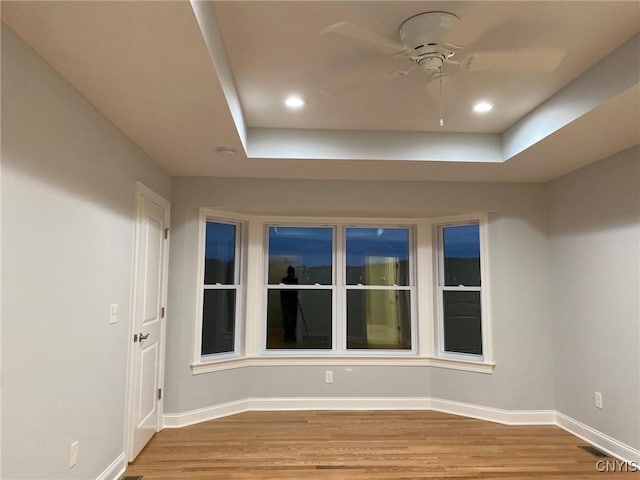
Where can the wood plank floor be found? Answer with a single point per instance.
(371, 445)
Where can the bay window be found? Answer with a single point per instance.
(281, 291)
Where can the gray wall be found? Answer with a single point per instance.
(68, 179)
(595, 256)
(68, 199)
(523, 378)
(521, 315)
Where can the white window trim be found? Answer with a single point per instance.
(485, 305)
(350, 361)
(250, 340)
(205, 215)
(339, 289)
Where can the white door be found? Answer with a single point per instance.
(148, 311)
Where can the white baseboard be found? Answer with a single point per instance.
(179, 420)
(602, 441)
(506, 417)
(115, 470)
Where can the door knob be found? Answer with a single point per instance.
(142, 337)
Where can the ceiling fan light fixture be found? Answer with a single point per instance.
(294, 102)
(482, 107)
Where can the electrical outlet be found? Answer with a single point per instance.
(328, 376)
(113, 313)
(73, 454)
(598, 400)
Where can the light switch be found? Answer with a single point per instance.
(113, 314)
(73, 454)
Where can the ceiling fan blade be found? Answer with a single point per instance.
(362, 83)
(539, 60)
(351, 30)
(454, 47)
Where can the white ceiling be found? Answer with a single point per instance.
(180, 84)
(275, 48)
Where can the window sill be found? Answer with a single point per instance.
(438, 362)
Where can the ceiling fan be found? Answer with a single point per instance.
(426, 40)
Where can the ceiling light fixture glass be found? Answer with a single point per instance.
(294, 102)
(482, 107)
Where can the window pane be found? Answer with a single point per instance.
(218, 321)
(378, 319)
(299, 319)
(220, 254)
(461, 255)
(309, 250)
(377, 256)
(462, 322)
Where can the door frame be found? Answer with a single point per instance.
(143, 191)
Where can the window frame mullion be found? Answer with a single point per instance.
(339, 320)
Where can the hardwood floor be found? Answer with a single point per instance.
(371, 445)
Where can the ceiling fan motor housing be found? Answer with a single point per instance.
(424, 35)
(430, 61)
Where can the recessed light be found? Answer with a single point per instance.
(294, 102)
(482, 107)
